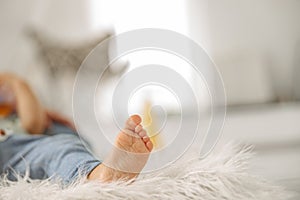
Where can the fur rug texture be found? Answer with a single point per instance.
(221, 175)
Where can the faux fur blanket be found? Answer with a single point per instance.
(221, 175)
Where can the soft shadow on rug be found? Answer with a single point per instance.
(221, 175)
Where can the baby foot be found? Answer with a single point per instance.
(125, 162)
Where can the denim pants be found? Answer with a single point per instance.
(57, 154)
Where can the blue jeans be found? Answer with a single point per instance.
(58, 154)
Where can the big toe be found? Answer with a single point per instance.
(133, 121)
(136, 119)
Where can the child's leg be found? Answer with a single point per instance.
(64, 156)
(61, 156)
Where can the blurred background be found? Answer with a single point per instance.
(255, 45)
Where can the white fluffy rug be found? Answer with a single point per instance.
(222, 175)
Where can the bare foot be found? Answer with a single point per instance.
(125, 162)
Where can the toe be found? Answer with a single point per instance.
(142, 133)
(149, 145)
(138, 128)
(136, 119)
(132, 122)
(146, 139)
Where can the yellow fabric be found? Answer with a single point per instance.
(150, 126)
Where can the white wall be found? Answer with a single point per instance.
(13, 16)
(264, 32)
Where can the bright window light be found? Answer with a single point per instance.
(134, 14)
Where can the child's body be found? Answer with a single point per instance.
(51, 148)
